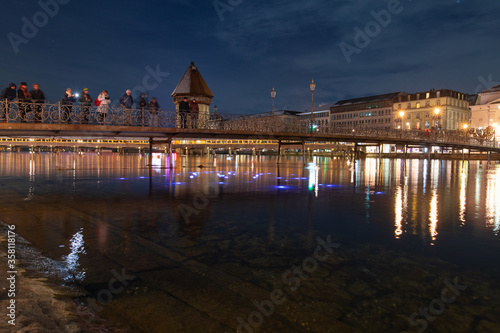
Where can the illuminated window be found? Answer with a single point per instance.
(427, 95)
(418, 105)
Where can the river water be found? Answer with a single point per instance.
(242, 243)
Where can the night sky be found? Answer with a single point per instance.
(243, 48)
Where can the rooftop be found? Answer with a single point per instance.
(492, 89)
(369, 99)
(192, 84)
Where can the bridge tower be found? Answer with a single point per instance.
(192, 85)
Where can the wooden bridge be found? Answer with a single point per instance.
(55, 121)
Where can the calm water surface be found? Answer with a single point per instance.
(220, 244)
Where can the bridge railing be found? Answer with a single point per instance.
(58, 113)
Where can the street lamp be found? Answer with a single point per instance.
(436, 112)
(494, 134)
(273, 95)
(313, 87)
(401, 114)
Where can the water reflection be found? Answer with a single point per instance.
(433, 215)
(417, 197)
(72, 260)
(493, 200)
(464, 167)
(398, 212)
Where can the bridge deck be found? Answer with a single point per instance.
(162, 135)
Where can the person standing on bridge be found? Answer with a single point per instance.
(195, 110)
(127, 102)
(102, 109)
(67, 105)
(154, 107)
(183, 112)
(8, 95)
(24, 99)
(86, 104)
(143, 102)
(38, 98)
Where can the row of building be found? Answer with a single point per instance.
(442, 109)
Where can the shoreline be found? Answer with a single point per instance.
(41, 303)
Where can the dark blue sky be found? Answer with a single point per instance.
(244, 48)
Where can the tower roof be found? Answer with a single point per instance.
(192, 84)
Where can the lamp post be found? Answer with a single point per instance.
(273, 95)
(313, 87)
(401, 114)
(494, 134)
(436, 122)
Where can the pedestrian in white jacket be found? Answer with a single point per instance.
(102, 109)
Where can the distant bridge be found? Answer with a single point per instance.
(59, 121)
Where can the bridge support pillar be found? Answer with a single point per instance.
(150, 152)
(279, 152)
(304, 152)
(380, 151)
(169, 153)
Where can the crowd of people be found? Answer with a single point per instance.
(32, 101)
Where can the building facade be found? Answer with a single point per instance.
(320, 119)
(435, 109)
(485, 113)
(366, 113)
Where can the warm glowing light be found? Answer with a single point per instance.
(433, 215)
(401, 114)
(465, 126)
(436, 111)
(493, 201)
(398, 212)
(463, 193)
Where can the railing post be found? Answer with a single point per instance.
(59, 112)
(279, 152)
